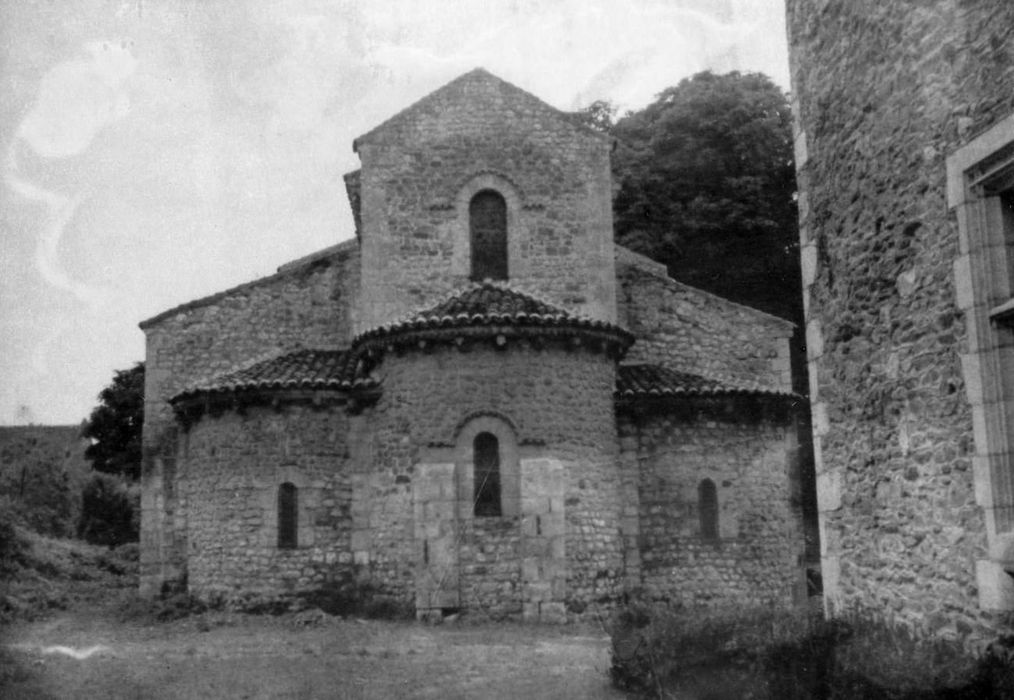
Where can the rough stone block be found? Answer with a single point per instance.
(987, 422)
(963, 291)
(829, 490)
(537, 547)
(799, 149)
(534, 505)
(439, 511)
(830, 572)
(821, 425)
(552, 524)
(433, 529)
(906, 283)
(531, 569)
(361, 540)
(996, 587)
(814, 339)
(530, 611)
(971, 371)
(538, 590)
(809, 263)
(982, 476)
(553, 613)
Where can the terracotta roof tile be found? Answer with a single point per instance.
(488, 304)
(302, 369)
(653, 381)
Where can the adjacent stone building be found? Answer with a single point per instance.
(905, 159)
(479, 403)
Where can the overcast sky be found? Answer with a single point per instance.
(156, 151)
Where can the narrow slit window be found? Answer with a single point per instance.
(487, 223)
(707, 506)
(288, 516)
(486, 451)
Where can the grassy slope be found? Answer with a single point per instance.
(45, 574)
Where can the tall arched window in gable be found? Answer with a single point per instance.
(288, 516)
(486, 460)
(707, 506)
(487, 224)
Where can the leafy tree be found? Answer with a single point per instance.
(114, 426)
(110, 510)
(706, 185)
(600, 115)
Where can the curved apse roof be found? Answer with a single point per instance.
(301, 369)
(486, 305)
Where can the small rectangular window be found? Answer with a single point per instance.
(486, 455)
(288, 516)
(487, 220)
(707, 505)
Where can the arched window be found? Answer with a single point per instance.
(707, 506)
(288, 516)
(486, 459)
(487, 224)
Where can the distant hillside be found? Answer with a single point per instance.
(42, 473)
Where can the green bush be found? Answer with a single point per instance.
(41, 494)
(13, 545)
(347, 598)
(168, 608)
(109, 508)
(656, 647)
(788, 655)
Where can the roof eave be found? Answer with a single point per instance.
(191, 406)
(736, 405)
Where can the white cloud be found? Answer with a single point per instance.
(76, 99)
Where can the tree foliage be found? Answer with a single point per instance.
(706, 185)
(110, 511)
(600, 115)
(114, 426)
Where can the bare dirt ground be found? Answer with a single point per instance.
(302, 655)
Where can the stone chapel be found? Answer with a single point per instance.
(480, 403)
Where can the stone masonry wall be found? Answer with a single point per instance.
(757, 559)
(687, 329)
(230, 468)
(307, 304)
(560, 404)
(490, 566)
(883, 92)
(420, 169)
